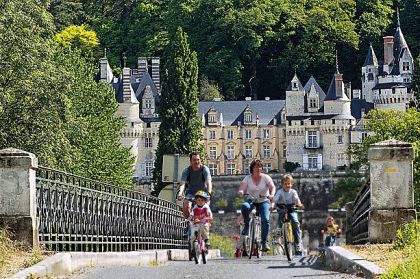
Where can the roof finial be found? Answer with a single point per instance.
(104, 52)
(398, 17)
(124, 59)
(295, 69)
(336, 61)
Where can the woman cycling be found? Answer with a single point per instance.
(261, 189)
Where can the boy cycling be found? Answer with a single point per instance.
(201, 216)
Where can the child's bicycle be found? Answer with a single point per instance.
(283, 238)
(198, 247)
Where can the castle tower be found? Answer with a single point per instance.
(336, 101)
(370, 71)
(295, 98)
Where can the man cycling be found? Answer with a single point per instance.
(198, 178)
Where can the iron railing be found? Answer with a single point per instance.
(360, 216)
(80, 214)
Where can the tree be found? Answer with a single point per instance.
(347, 188)
(180, 128)
(67, 12)
(388, 124)
(209, 90)
(415, 85)
(49, 102)
(80, 37)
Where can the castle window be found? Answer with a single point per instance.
(294, 85)
(312, 139)
(213, 135)
(267, 167)
(213, 169)
(248, 117)
(230, 134)
(212, 118)
(333, 121)
(230, 168)
(370, 77)
(312, 103)
(248, 151)
(132, 124)
(230, 152)
(248, 134)
(266, 134)
(406, 66)
(284, 151)
(340, 139)
(266, 152)
(147, 142)
(148, 125)
(213, 152)
(312, 162)
(312, 122)
(148, 169)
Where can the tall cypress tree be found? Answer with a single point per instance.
(180, 128)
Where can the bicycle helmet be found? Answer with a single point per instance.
(202, 194)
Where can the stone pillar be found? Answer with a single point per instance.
(391, 188)
(18, 194)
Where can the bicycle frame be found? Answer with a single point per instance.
(199, 250)
(287, 232)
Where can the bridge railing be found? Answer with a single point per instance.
(80, 214)
(359, 220)
(386, 201)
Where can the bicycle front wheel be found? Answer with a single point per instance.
(252, 237)
(288, 240)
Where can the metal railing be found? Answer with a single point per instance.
(360, 216)
(80, 214)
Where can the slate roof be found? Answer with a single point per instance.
(232, 111)
(371, 57)
(400, 47)
(387, 85)
(318, 88)
(319, 117)
(138, 87)
(332, 90)
(357, 105)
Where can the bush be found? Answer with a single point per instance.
(224, 243)
(409, 268)
(237, 202)
(221, 204)
(408, 234)
(291, 166)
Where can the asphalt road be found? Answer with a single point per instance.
(266, 267)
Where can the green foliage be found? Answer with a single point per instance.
(224, 243)
(80, 37)
(67, 12)
(221, 203)
(407, 239)
(237, 202)
(346, 189)
(49, 103)
(407, 235)
(291, 166)
(388, 124)
(180, 128)
(209, 90)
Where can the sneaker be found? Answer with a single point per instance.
(245, 230)
(238, 253)
(207, 243)
(265, 247)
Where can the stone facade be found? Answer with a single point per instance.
(309, 127)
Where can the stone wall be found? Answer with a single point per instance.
(313, 188)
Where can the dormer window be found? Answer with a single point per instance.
(247, 115)
(312, 103)
(212, 116)
(148, 106)
(406, 66)
(294, 85)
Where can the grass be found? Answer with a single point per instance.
(400, 259)
(14, 256)
(224, 243)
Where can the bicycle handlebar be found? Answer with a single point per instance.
(290, 207)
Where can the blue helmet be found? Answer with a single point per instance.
(202, 194)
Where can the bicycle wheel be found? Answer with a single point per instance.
(252, 237)
(287, 240)
(276, 245)
(246, 247)
(196, 253)
(257, 239)
(203, 252)
(190, 252)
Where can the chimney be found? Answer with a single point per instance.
(126, 84)
(338, 85)
(106, 72)
(156, 72)
(142, 66)
(388, 49)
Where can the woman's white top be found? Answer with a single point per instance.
(259, 191)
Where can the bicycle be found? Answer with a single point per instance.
(252, 243)
(284, 238)
(199, 250)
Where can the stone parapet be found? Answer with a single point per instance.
(18, 194)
